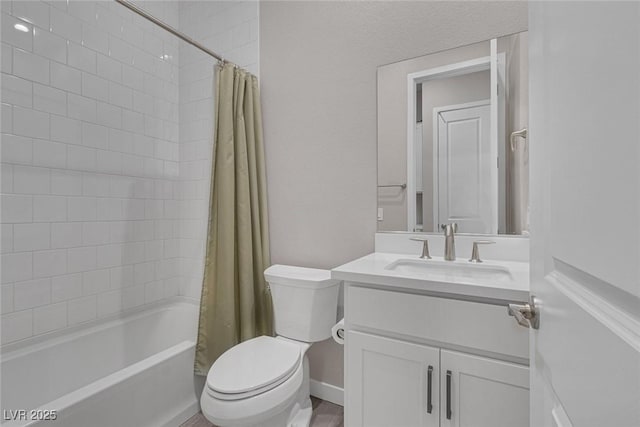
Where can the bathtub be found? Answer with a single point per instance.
(134, 370)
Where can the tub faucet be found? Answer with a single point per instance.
(449, 241)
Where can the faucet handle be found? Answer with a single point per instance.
(475, 254)
(425, 246)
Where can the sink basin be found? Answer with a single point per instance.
(451, 271)
(494, 279)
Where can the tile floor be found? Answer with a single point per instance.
(325, 414)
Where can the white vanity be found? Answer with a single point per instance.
(430, 342)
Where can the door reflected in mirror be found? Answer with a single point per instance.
(452, 140)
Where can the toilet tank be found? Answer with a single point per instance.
(305, 302)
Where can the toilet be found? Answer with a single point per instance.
(264, 381)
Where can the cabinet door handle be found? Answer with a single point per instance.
(429, 375)
(448, 395)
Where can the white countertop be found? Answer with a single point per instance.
(372, 269)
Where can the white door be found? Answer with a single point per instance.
(480, 392)
(391, 383)
(585, 218)
(466, 188)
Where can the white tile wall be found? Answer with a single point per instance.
(231, 29)
(49, 318)
(106, 153)
(89, 162)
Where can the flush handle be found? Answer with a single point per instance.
(527, 314)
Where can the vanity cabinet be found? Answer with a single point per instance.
(414, 360)
(396, 383)
(483, 391)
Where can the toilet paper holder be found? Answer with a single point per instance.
(337, 332)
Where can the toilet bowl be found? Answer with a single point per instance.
(261, 381)
(264, 381)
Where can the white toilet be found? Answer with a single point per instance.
(265, 381)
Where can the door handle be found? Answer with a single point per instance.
(429, 375)
(527, 314)
(448, 395)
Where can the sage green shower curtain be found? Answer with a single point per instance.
(235, 304)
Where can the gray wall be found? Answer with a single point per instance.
(318, 65)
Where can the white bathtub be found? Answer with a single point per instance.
(135, 370)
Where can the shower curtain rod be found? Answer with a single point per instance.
(170, 29)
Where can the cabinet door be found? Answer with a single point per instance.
(481, 392)
(387, 382)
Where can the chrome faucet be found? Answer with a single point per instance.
(449, 241)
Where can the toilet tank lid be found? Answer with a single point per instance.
(299, 276)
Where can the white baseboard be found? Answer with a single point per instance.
(328, 392)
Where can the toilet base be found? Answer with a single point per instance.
(298, 415)
(302, 417)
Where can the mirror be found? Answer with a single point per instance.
(452, 140)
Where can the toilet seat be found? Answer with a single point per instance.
(252, 368)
